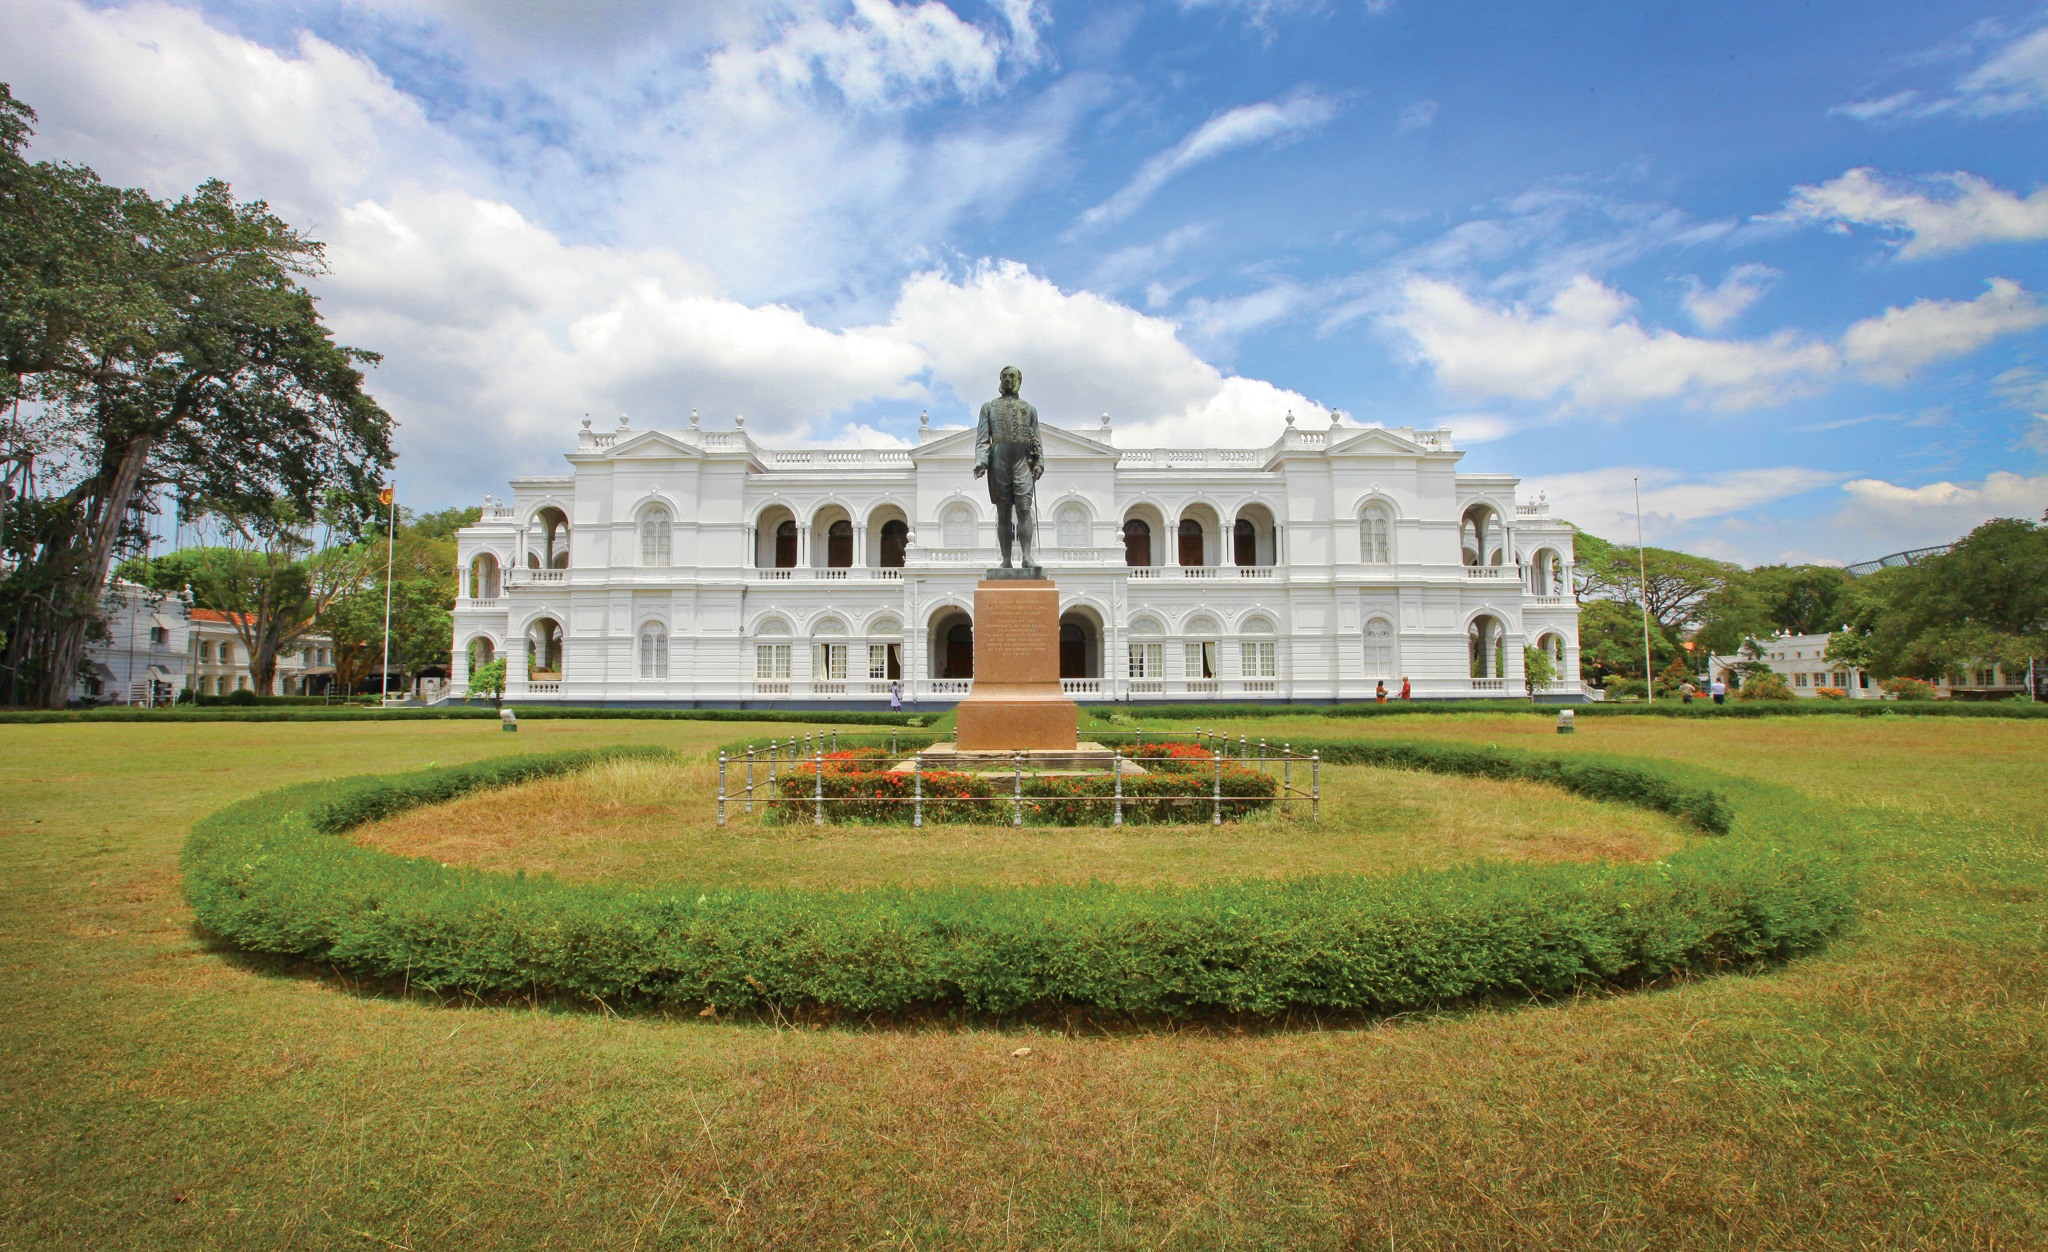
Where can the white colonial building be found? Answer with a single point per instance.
(695, 567)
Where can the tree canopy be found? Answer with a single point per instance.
(156, 344)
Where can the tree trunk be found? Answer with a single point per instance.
(68, 634)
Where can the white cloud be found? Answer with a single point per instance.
(1415, 116)
(1884, 517)
(1603, 501)
(1715, 307)
(1140, 261)
(1586, 346)
(1889, 347)
(152, 95)
(1221, 322)
(2012, 79)
(1083, 355)
(1268, 121)
(1940, 213)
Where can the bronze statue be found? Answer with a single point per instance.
(1007, 448)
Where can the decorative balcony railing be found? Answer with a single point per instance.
(1487, 571)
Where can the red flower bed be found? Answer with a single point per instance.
(857, 788)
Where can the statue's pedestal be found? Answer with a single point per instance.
(1016, 703)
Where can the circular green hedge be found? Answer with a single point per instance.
(270, 874)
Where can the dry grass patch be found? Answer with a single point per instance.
(646, 821)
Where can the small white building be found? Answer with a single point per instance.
(696, 567)
(220, 659)
(1802, 660)
(143, 659)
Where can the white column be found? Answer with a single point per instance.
(860, 545)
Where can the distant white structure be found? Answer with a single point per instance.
(1802, 660)
(220, 660)
(159, 646)
(143, 660)
(696, 567)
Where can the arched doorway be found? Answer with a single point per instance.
(1190, 541)
(1080, 645)
(839, 544)
(1244, 543)
(952, 645)
(960, 651)
(544, 649)
(481, 653)
(1137, 542)
(549, 549)
(785, 544)
(484, 579)
(895, 539)
(1485, 640)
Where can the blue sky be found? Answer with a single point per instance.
(1782, 264)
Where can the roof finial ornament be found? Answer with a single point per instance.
(623, 419)
(693, 419)
(586, 421)
(924, 419)
(1105, 419)
(1336, 418)
(1290, 417)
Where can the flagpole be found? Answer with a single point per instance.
(1643, 573)
(390, 541)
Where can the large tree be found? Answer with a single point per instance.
(157, 345)
(1614, 581)
(1984, 602)
(270, 581)
(422, 597)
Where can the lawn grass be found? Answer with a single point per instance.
(653, 822)
(1885, 1093)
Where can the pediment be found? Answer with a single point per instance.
(1377, 440)
(651, 443)
(1057, 440)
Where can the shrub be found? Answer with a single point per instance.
(1765, 687)
(1903, 688)
(1831, 693)
(269, 874)
(1642, 785)
(243, 698)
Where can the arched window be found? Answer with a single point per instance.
(895, 538)
(1190, 541)
(1244, 542)
(484, 579)
(1200, 650)
(839, 544)
(1373, 548)
(1260, 656)
(1379, 649)
(958, 527)
(1137, 542)
(1073, 527)
(481, 653)
(653, 651)
(785, 545)
(654, 538)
